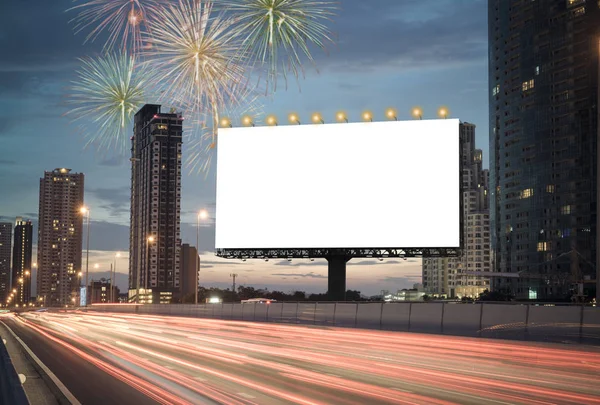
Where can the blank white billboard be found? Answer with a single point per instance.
(389, 184)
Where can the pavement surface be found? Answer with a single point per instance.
(109, 358)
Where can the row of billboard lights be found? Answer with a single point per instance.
(367, 116)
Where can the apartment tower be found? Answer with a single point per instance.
(465, 276)
(59, 236)
(155, 240)
(5, 243)
(21, 260)
(543, 81)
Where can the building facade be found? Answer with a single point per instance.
(155, 240)
(99, 292)
(5, 251)
(189, 266)
(543, 80)
(59, 236)
(464, 276)
(21, 260)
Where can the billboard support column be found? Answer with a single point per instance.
(337, 277)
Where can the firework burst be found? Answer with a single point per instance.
(124, 20)
(268, 27)
(107, 92)
(196, 58)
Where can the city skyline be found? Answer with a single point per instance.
(371, 67)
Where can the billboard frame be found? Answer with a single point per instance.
(314, 253)
(338, 257)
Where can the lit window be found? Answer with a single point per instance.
(565, 209)
(527, 193)
(496, 90)
(537, 70)
(542, 246)
(528, 85)
(162, 126)
(579, 11)
(550, 188)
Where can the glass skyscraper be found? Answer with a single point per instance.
(543, 80)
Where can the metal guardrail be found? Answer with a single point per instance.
(538, 322)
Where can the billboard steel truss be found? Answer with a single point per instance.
(327, 253)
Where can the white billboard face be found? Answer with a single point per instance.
(362, 185)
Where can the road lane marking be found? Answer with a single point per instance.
(64, 390)
(247, 396)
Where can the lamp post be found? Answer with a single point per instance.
(149, 240)
(203, 214)
(86, 211)
(112, 278)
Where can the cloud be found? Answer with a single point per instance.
(408, 35)
(404, 279)
(303, 275)
(115, 200)
(113, 161)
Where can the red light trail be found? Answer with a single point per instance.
(188, 360)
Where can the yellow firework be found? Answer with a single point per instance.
(278, 32)
(195, 57)
(106, 94)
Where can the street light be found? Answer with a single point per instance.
(294, 119)
(317, 118)
(247, 121)
(417, 113)
(367, 116)
(86, 211)
(147, 273)
(443, 112)
(203, 214)
(391, 114)
(225, 122)
(271, 120)
(341, 116)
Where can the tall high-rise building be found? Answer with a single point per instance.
(5, 243)
(59, 236)
(155, 240)
(189, 267)
(21, 260)
(457, 276)
(543, 80)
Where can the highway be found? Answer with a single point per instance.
(136, 359)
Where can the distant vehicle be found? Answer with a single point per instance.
(258, 301)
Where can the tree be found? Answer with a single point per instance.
(499, 295)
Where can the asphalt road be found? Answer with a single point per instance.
(136, 359)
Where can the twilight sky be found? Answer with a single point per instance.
(389, 53)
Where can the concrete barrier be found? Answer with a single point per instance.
(369, 315)
(260, 312)
(504, 321)
(248, 310)
(426, 317)
(236, 312)
(289, 313)
(554, 323)
(345, 314)
(324, 313)
(275, 309)
(550, 323)
(396, 316)
(461, 319)
(306, 312)
(590, 326)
